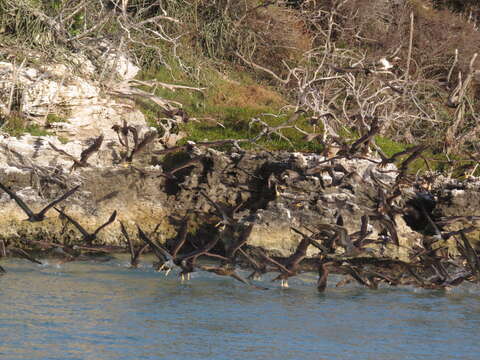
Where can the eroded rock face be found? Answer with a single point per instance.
(275, 192)
(70, 89)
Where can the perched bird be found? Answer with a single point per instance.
(88, 237)
(33, 217)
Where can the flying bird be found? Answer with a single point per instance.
(291, 265)
(227, 270)
(134, 253)
(33, 217)
(88, 237)
(84, 156)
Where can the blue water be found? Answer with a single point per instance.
(107, 311)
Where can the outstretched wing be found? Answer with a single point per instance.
(60, 199)
(245, 234)
(19, 201)
(22, 253)
(159, 251)
(182, 237)
(147, 139)
(128, 240)
(75, 161)
(109, 221)
(76, 224)
(91, 149)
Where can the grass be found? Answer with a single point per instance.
(232, 100)
(16, 125)
(226, 107)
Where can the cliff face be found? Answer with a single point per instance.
(275, 191)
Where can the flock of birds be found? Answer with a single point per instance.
(430, 266)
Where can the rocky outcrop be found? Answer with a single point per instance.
(277, 192)
(70, 90)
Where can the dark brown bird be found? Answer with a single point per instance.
(323, 271)
(134, 253)
(259, 269)
(406, 163)
(139, 146)
(185, 262)
(242, 240)
(365, 140)
(291, 265)
(228, 270)
(84, 156)
(33, 217)
(23, 254)
(390, 160)
(88, 237)
(177, 112)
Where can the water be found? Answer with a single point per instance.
(107, 311)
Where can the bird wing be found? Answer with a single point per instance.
(19, 201)
(240, 278)
(138, 253)
(206, 249)
(109, 221)
(242, 240)
(217, 207)
(128, 241)
(251, 260)
(416, 152)
(22, 253)
(91, 149)
(76, 224)
(159, 251)
(276, 263)
(60, 199)
(76, 162)
(148, 138)
(182, 237)
(472, 256)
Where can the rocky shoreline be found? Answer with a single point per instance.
(352, 207)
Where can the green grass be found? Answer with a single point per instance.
(16, 125)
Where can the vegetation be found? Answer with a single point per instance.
(410, 64)
(17, 125)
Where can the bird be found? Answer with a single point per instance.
(88, 237)
(34, 217)
(228, 270)
(23, 254)
(186, 263)
(259, 269)
(134, 254)
(177, 113)
(406, 163)
(242, 240)
(323, 271)
(291, 265)
(140, 145)
(84, 156)
(390, 160)
(167, 261)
